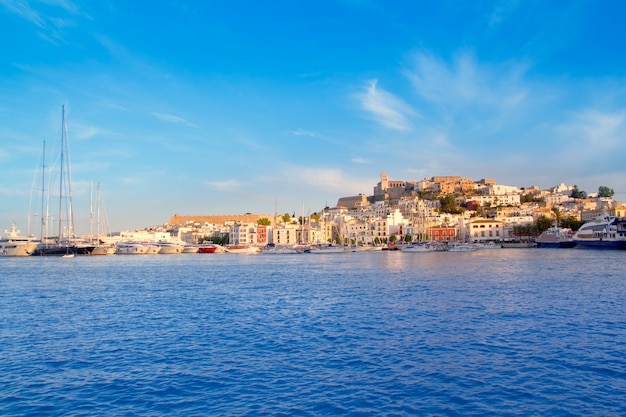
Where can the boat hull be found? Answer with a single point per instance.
(18, 249)
(63, 250)
(555, 245)
(601, 244)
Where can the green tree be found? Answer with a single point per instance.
(576, 193)
(604, 191)
(572, 222)
(449, 205)
(393, 238)
(542, 224)
(557, 215)
(263, 221)
(408, 238)
(286, 218)
(315, 217)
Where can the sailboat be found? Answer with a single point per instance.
(63, 244)
(102, 247)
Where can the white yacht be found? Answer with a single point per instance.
(12, 244)
(136, 248)
(168, 248)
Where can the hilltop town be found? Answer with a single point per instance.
(440, 208)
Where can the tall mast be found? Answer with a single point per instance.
(43, 189)
(70, 218)
(65, 186)
(91, 211)
(61, 176)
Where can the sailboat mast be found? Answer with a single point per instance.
(61, 176)
(70, 218)
(43, 190)
(91, 211)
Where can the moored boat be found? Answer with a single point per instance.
(135, 248)
(323, 249)
(605, 232)
(103, 250)
(279, 250)
(210, 248)
(12, 244)
(556, 237)
(461, 247)
(169, 248)
(190, 249)
(243, 249)
(418, 247)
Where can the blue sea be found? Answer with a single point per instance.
(505, 332)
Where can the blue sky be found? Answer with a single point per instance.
(232, 107)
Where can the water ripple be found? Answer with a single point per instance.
(490, 333)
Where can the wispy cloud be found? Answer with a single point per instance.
(358, 160)
(302, 132)
(464, 82)
(595, 132)
(225, 185)
(330, 180)
(51, 24)
(173, 119)
(4, 155)
(386, 108)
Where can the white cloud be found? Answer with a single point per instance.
(301, 132)
(464, 82)
(51, 24)
(23, 9)
(595, 132)
(224, 185)
(330, 180)
(358, 160)
(173, 119)
(386, 108)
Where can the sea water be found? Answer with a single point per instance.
(507, 332)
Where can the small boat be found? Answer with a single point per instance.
(69, 255)
(243, 249)
(461, 247)
(12, 244)
(556, 237)
(417, 247)
(605, 232)
(323, 249)
(210, 248)
(278, 250)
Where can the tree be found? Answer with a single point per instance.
(576, 193)
(408, 238)
(263, 221)
(449, 205)
(542, 224)
(286, 218)
(557, 215)
(393, 238)
(604, 191)
(572, 222)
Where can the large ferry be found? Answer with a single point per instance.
(605, 232)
